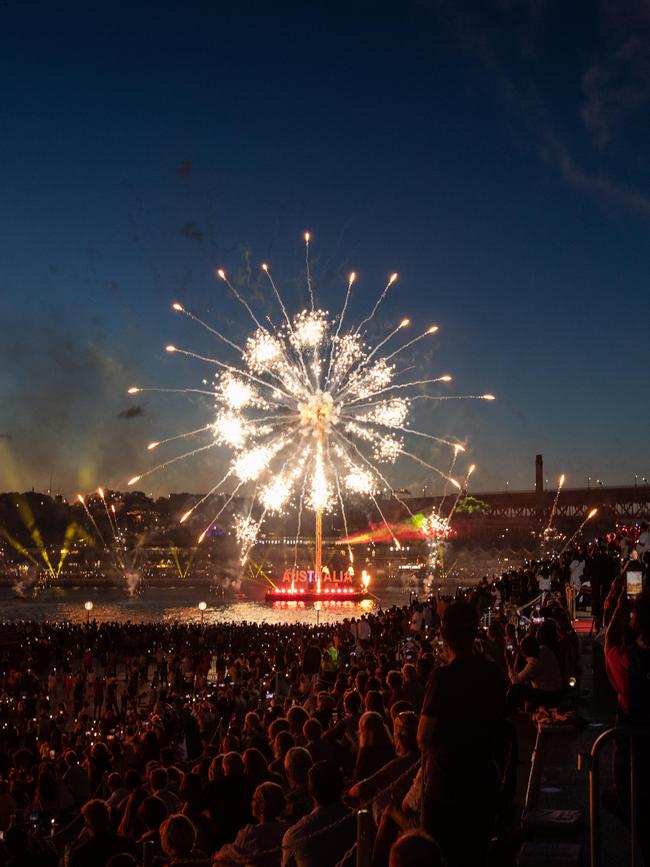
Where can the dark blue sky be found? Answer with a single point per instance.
(495, 154)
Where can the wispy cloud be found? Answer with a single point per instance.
(617, 81)
(603, 188)
(511, 41)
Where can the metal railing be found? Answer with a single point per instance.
(591, 762)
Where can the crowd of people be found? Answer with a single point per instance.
(249, 744)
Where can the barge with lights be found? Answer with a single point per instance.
(325, 594)
(303, 586)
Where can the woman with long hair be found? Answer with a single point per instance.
(375, 746)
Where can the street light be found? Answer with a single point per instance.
(588, 482)
(202, 607)
(89, 607)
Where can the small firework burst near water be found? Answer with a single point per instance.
(309, 410)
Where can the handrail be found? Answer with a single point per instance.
(591, 761)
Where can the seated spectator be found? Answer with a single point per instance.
(281, 746)
(319, 749)
(391, 782)
(416, 847)
(375, 746)
(100, 843)
(374, 701)
(52, 798)
(192, 799)
(297, 716)
(228, 799)
(253, 840)
(398, 708)
(302, 845)
(297, 763)
(253, 733)
(177, 839)
(131, 824)
(257, 769)
(395, 684)
(158, 783)
(540, 680)
(152, 813)
(396, 818)
(117, 792)
(76, 779)
(412, 689)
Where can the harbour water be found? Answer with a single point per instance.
(176, 603)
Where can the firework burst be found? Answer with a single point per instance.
(309, 411)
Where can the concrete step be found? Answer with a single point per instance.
(547, 821)
(545, 853)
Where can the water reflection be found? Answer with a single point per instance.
(177, 603)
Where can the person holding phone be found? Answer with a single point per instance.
(632, 572)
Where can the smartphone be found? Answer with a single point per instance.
(633, 582)
(269, 695)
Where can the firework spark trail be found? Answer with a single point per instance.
(221, 273)
(449, 473)
(410, 343)
(220, 512)
(205, 497)
(391, 280)
(431, 467)
(301, 506)
(120, 544)
(376, 472)
(460, 492)
(167, 463)
(339, 325)
(308, 267)
(457, 447)
(554, 506)
(118, 549)
(285, 313)
(228, 367)
(100, 491)
(578, 531)
(182, 436)
(343, 514)
(307, 411)
(386, 524)
(136, 389)
(368, 358)
(92, 520)
(451, 396)
(180, 309)
(416, 382)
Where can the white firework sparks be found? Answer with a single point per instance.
(309, 411)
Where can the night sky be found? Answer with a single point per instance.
(495, 154)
